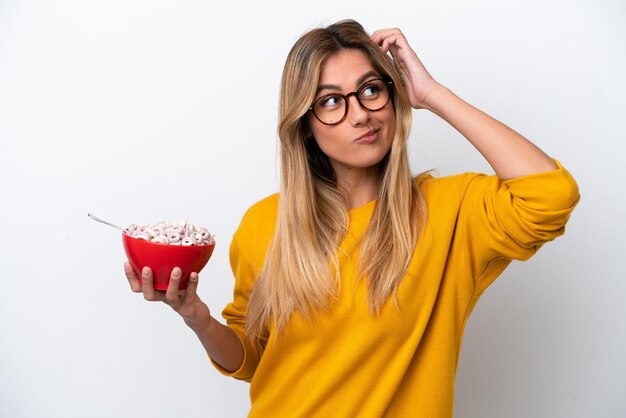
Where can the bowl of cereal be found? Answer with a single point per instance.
(166, 245)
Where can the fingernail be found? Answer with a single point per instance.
(145, 272)
(193, 277)
(176, 272)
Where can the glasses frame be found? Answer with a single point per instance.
(346, 98)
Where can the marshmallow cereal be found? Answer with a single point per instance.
(171, 233)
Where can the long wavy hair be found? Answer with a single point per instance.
(301, 268)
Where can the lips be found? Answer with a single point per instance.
(369, 137)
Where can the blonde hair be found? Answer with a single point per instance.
(301, 269)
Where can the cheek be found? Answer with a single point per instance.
(325, 144)
(325, 139)
(392, 131)
(390, 123)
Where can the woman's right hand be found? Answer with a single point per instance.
(186, 302)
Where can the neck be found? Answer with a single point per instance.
(361, 184)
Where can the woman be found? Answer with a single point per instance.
(353, 288)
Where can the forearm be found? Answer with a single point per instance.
(509, 153)
(221, 344)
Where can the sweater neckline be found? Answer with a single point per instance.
(363, 210)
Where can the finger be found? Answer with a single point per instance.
(394, 42)
(132, 278)
(385, 45)
(192, 286)
(378, 36)
(148, 285)
(384, 32)
(172, 297)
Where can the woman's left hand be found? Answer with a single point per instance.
(418, 83)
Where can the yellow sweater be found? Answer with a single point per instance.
(401, 363)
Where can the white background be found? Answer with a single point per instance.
(141, 111)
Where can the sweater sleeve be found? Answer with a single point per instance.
(235, 312)
(509, 220)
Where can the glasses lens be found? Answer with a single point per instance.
(330, 109)
(374, 94)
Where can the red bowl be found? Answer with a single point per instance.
(162, 258)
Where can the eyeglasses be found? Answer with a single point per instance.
(332, 109)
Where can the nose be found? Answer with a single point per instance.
(356, 113)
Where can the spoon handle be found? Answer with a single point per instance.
(95, 218)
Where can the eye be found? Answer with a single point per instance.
(330, 101)
(369, 91)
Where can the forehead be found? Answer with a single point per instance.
(345, 67)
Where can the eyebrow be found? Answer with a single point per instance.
(361, 79)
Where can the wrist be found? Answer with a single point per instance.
(436, 98)
(201, 326)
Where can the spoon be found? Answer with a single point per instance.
(105, 222)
